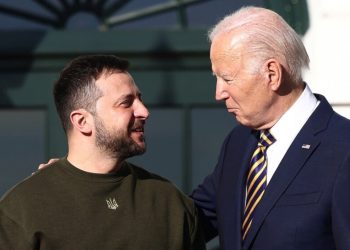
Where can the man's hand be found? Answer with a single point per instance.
(44, 165)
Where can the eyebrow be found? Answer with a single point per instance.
(223, 75)
(129, 95)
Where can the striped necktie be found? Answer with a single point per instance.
(256, 180)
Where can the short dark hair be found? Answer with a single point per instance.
(75, 87)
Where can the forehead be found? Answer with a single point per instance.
(117, 83)
(226, 51)
(222, 57)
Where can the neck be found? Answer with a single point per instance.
(91, 159)
(282, 104)
(95, 165)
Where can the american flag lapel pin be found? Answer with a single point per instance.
(306, 146)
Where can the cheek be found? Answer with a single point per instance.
(261, 104)
(125, 122)
(241, 97)
(250, 103)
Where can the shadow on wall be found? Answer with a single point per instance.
(16, 59)
(22, 122)
(157, 82)
(172, 128)
(295, 12)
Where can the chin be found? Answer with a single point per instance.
(244, 122)
(241, 121)
(140, 144)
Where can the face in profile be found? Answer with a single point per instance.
(120, 116)
(245, 94)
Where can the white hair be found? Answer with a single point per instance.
(265, 35)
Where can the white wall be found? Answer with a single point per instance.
(328, 44)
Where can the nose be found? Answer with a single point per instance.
(220, 91)
(141, 111)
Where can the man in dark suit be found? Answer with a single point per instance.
(283, 175)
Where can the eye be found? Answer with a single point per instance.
(139, 97)
(127, 102)
(228, 81)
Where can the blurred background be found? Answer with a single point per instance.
(166, 42)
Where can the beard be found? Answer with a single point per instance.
(119, 144)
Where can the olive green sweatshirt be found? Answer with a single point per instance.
(62, 207)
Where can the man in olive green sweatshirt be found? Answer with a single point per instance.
(93, 198)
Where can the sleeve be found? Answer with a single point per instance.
(197, 235)
(12, 235)
(204, 197)
(340, 207)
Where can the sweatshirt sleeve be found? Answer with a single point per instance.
(197, 234)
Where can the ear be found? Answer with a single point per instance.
(274, 74)
(81, 121)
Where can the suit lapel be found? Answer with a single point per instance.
(291, 164)
(237, 192)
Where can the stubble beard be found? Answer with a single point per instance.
(117, 145)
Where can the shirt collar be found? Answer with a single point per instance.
(291, 122)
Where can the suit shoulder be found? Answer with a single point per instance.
(241, 130)
(340, 120)
(238, 134)
(340, 127)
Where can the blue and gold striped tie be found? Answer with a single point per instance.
(256, 180)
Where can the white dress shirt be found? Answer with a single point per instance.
(287, 128)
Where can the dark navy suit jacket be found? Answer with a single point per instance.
(306, 205)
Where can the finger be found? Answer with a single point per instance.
(53, 160)
(44, 165)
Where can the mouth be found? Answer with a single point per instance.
(139, 129)
(137, 133)
(231, 110)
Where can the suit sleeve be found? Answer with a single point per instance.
(197, 236)
(341, 207)
(205, 199)
(12, 235)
